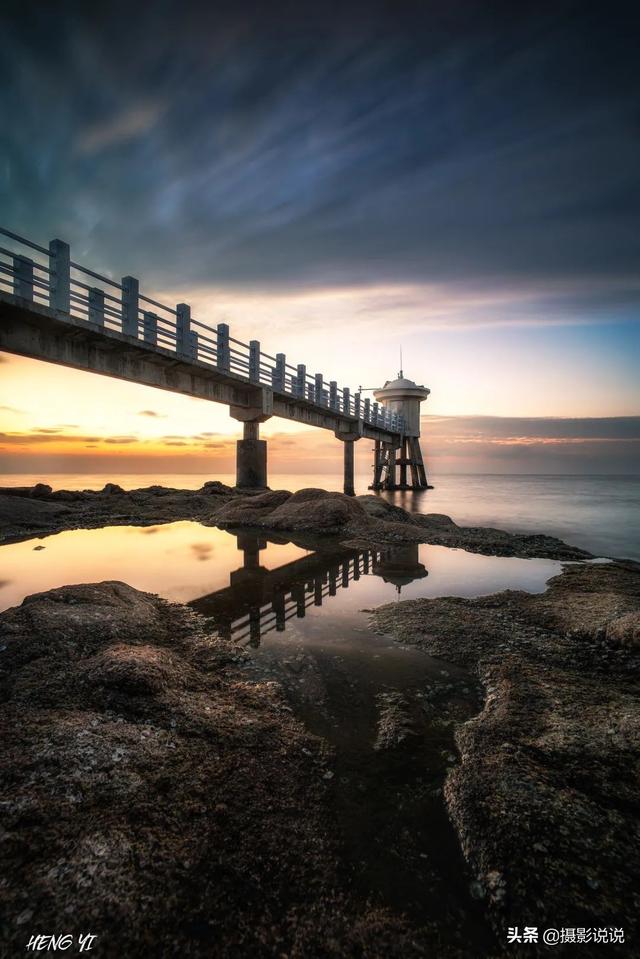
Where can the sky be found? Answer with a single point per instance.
(339, 180)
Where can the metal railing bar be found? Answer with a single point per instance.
(34, 263)
(21, 239)
(79, 297)
(96, 276)
(204, 326)
(161, 306)
(85, 286)
(10, 272)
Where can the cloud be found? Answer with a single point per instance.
(364, 146)
(132, 122)
(519, 429)
(202, 551)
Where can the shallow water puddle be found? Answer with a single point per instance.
(387, 711)
(188, 562)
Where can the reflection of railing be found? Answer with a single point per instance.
(258, 600)
(49, 277)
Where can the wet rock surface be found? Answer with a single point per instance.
(361, 521)
(27, 511)
(161, 797)
(545, 799)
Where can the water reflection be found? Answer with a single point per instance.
(258, 600)
(245, 576)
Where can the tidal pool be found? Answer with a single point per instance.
(299, 611)
(190, 563)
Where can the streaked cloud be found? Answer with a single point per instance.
(450, 443)
(127, 124)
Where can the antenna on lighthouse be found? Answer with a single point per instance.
(400, 377)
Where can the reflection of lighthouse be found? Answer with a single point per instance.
(404, 397)
(400, 566)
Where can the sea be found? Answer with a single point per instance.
(599, 513)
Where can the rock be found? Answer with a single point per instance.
(111, 489)
(214, 488)
(315, 510)
(162, 799)
(378, 508)
(250, 510)
(624, 630)
(20, 515)
(364, 521)
(308, 510)
(545, 792)
(394, 721)
(40, 491)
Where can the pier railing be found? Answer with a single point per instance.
(49, 277)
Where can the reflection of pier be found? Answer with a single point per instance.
(258, 600)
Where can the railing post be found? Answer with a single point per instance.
(96, 306)
(186, 339)
(318, 391)
(130, 290)
(346, 400)
(150, 328)
(333, 395)
(302, 379)
(223, 356)
(254, 361)
(278, 374)
(23, 276)
(356, 405)
(367, 409)
(375, 414)
(60, 276)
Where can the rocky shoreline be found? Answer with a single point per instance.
(546, 796)
(152, 786)
(365, 521)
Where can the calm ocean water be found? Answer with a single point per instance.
(598, 513)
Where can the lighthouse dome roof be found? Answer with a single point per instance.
(401, 383)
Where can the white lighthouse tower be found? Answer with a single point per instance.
(401, 396)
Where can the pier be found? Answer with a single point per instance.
(55, 309)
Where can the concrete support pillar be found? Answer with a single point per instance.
(251, 459)
(251, 451)
(391, 472)
(251, 464)
(349, 487)
(403, 463)
(348, 441)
